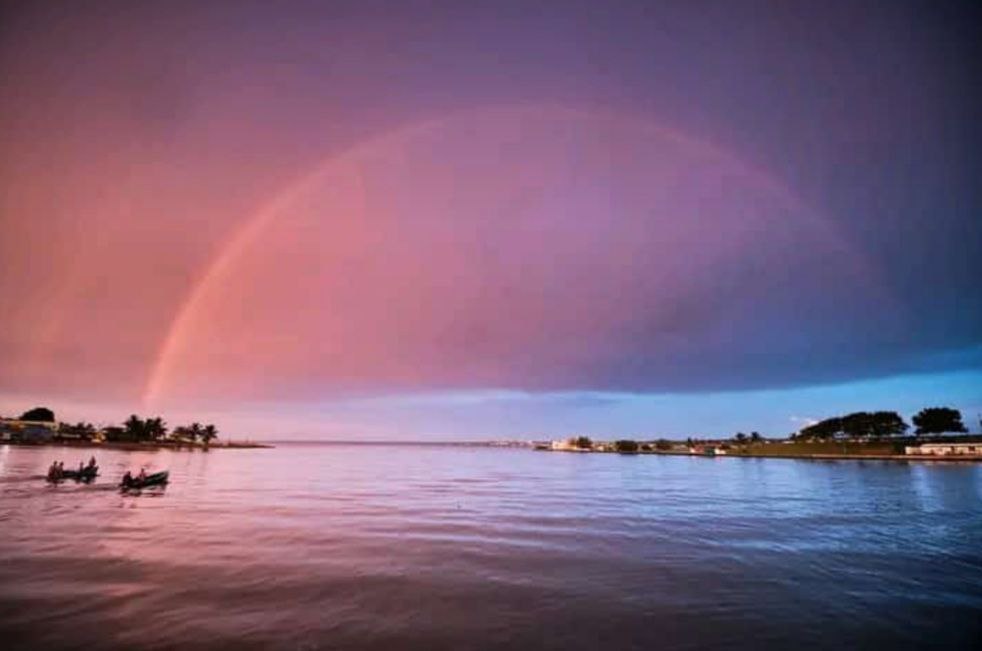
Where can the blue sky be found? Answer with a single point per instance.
(480, 415)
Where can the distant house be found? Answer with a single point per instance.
(709, 450)
(566, 445)
(945, 449)
(27, 431)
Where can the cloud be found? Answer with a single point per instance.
(537, 249)
(705, 230)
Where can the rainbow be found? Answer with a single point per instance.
(253, 226)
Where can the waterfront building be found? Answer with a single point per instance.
(945, 449)
(28, 431)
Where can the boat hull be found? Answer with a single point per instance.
(156, 479)
(85, 475)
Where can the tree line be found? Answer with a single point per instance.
(136, 429)
(133, 430)
(883, 424)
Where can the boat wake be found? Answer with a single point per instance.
(21, 480)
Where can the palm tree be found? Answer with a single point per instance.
(155, 428)
(208, 434)
(135, 428)
(179, 433)
(84, 430)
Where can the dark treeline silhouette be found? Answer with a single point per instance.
(40, 424)
(938, 420)
(39, 414)
(860, 424)
(195, 432)
(883, 424)
(626, 446)
(80, 430)
(140, 430)
(742, 438)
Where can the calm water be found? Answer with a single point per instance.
(386, 547)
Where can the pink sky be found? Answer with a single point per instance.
(207, 206)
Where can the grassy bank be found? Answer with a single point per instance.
(819, 448)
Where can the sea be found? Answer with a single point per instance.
(411, 546)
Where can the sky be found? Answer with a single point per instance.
(490, 220)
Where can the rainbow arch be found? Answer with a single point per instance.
(253, 225)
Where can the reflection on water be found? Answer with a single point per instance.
(379, 547)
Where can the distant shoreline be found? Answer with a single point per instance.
(133, 446)
(818, 456)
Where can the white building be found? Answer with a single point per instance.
(568, 445)
(945, 449)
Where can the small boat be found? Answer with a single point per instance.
(86, 474)
(135, 483)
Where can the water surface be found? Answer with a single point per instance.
(310, 546)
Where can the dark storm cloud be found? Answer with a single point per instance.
(137, 137)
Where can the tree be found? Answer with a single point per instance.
(115, 434)
(888, 423)
(937, 420)
(626, 446)
(755, 437)
(859, 424)
(155, 428)
(39, 414)
(208, 434)
(824, 429)
(740, 438)
(138, 429)
(663, 444)
(134, 428)
(583, 442)
(81, 429)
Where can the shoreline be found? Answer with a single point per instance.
(136, 446)
(817, 456)
(249, 445)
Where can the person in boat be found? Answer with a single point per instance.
(81, 468)
(92, 462)
(143, 474)
(127, 479)
(53, 470)
(59, 470)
